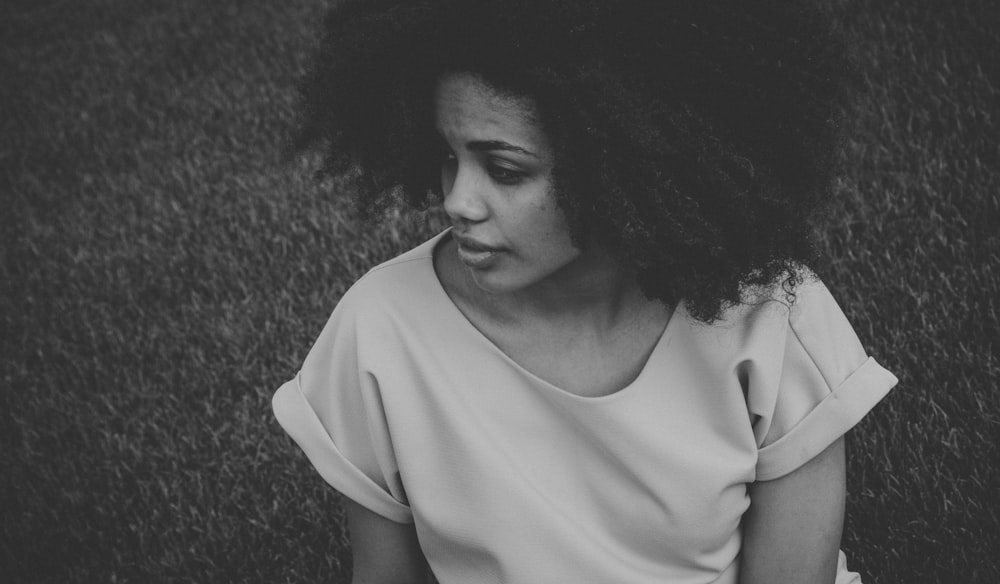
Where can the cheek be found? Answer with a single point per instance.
(543, 205)
(545, 208)
(551, 216)
(552, 230)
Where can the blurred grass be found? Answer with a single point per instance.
(163, 270)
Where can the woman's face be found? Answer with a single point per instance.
(496, 178)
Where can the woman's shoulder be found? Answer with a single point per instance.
(399, 288)
(769, 314)
(805, 306)
(785, 299)
(782, 321)
(406, 273)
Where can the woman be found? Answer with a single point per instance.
(614, 366)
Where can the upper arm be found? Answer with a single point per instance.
(385, 552)
(791, 533)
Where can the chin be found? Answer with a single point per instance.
(495, 282)
(490, 285)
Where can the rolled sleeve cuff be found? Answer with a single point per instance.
(299, 420)
(829, 420)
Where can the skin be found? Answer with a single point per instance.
(384, 552)
(791, 533)
(575, 318)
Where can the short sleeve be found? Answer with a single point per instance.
(825, 385)
(333, 411)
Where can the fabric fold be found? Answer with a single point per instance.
(298, 419)
(829, 420)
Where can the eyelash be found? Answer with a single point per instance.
(499, 173)
(504, 175)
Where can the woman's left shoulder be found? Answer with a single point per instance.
(791, 300)
(803, 327)
(800, 311)
(814, 316)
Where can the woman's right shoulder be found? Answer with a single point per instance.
(406, 280)
(386, 307)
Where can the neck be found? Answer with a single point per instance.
(594, 292)
(594, 285)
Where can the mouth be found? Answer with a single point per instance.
(476, 254)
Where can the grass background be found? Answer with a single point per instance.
(164, 268)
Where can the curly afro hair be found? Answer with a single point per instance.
(694, 139)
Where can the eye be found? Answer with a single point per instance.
(442, 150)
(503, 173)
(447, 167)
(446, 156)
(447, 159)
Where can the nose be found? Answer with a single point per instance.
(463, 196)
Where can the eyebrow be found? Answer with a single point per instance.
(489, 145)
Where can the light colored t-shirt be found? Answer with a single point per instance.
(406, 408)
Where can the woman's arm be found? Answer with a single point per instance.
(791, 533)
(385, 552)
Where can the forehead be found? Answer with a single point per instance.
(468, 108)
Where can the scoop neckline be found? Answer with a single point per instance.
(661, 342)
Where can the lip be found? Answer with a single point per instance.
(474, 253)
